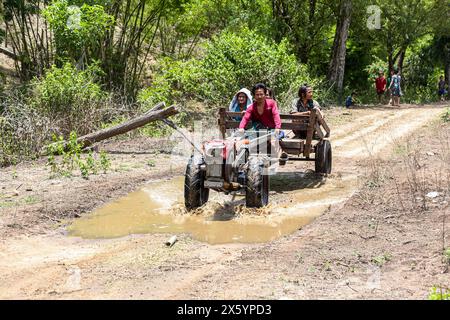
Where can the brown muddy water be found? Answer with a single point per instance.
(158, 207)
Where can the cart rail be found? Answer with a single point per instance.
(314, 124)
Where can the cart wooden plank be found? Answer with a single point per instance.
(309, 134)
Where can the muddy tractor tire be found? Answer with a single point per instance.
(257, 192)
(229, 171)
(323, 157)
(195, 194)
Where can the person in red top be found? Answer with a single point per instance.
(380, 85)
(263, 112)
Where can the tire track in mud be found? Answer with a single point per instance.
(383, 133)
(38, 267)
(358, 130)
(356, 123)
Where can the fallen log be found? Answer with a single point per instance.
(156, 113)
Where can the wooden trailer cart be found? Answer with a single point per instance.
(231, 164)
(315, 142)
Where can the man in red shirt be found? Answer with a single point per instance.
(380, 85)
(264, 114)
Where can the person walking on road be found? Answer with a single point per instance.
(396, 88)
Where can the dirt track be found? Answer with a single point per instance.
(338, 256)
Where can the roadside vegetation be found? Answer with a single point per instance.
(84, 65)
(420, 186)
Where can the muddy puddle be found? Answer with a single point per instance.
(158, 207)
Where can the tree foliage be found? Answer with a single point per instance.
(230, 61)
(78, 31)
(70, 95)
(70, 54)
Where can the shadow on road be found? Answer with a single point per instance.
(290, 181)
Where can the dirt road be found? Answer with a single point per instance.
(354, 248)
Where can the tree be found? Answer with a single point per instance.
(405, 21)
(305, 24)
(28, 35)
(337, 63)
(128, 42)
(78, 31)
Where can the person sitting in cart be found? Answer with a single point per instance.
(270, 94)
(303, 106)
(240, 102)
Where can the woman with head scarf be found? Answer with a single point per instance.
(241, 100)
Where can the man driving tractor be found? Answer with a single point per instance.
(264, 114)
(242, 163)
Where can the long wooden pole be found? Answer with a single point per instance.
(156, 113)
(91, 138)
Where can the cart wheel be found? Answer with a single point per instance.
(323, 157)
(257, 193)
(195, 194)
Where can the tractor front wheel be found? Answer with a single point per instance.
(257, 193)
(195, 194)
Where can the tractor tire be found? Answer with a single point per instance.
(323, 157)
(257, 192)
(195, 194)
(229, 171)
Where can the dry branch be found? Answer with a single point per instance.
(91, 138)
(9, 54)
(156, 113)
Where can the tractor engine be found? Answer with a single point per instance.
(216, 152)
(219, 156)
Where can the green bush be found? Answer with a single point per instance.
(70, 153)
(446, 117)
(419, 94)
(63, 157)
(64, 100)
(439, 293)
(78, 28)
(230, 61)
(70, 96)
(374, 68)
